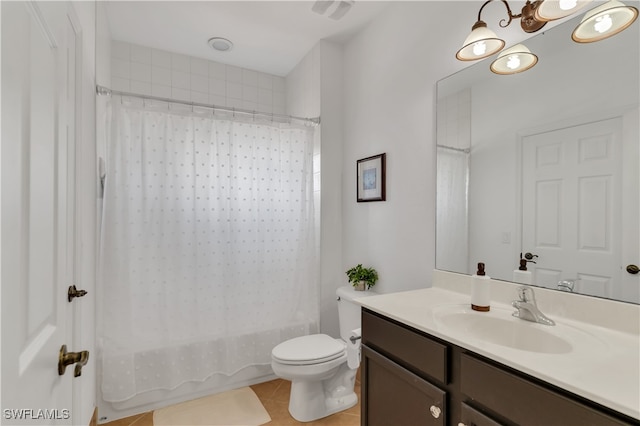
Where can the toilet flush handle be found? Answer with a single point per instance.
(354, 339)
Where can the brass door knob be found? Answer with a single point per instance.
(65, 358)
(74, 292)
(633, 269)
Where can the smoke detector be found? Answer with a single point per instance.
(220, 44)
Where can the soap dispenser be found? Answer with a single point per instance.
(481, 291)
(522, 275)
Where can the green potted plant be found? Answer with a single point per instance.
(362, 278)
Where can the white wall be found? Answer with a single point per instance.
(391, 68)
(314, 88)
(303, 86)
(103, 46)
(332, 274)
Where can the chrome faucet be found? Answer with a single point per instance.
(527, 308)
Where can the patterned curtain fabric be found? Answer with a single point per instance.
(207, 246)
(452, 248)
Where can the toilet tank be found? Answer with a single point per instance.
(348, 311)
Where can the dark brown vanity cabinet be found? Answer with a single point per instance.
(398, 397)
(410, 378)
(402, 375)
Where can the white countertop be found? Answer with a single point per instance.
(604, 368)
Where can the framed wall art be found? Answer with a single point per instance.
(370, 178)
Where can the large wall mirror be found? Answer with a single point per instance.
(545, 163)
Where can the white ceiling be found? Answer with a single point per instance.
(268, 36)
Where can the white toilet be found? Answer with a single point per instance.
(322, 369)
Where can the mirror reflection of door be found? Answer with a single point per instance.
(573, 206)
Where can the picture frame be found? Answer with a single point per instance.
(370, 178)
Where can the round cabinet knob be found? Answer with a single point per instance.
(435, 411)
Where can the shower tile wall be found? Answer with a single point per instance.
(146, 71)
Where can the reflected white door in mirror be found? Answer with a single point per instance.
(572, 207)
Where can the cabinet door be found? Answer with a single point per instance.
(392, 395)
(525, 402)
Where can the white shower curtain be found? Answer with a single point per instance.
(452, 248)
(207, 246)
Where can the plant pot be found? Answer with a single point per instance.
(361, 286)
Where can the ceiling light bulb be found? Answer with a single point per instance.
(603, 24)
(568, 4)
(479, 48)
(514, 62)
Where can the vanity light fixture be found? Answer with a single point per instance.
(514, 60)
(601, 22)
(604, 21)
(483, 42)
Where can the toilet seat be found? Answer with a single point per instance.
(306, 350)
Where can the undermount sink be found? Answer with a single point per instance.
(499, 327)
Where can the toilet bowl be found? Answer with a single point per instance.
(322, 369)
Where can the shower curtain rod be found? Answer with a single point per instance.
(465, 150)
(104, 91)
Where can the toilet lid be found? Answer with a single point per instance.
(312, 349)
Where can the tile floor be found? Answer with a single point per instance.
(274, 395)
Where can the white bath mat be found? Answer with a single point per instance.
(238, 407)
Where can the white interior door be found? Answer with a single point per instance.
(39, 82)
(572, 206)
(630, 290)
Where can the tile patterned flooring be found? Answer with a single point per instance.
(274, 395)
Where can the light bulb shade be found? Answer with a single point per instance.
(550, 10)
(514, 60)
(480, 43)
(604, 21)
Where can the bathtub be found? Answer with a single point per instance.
(152, 400)
(150, 362)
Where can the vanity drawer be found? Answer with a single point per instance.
(522, 401)
(473, 417)
(407, 347)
